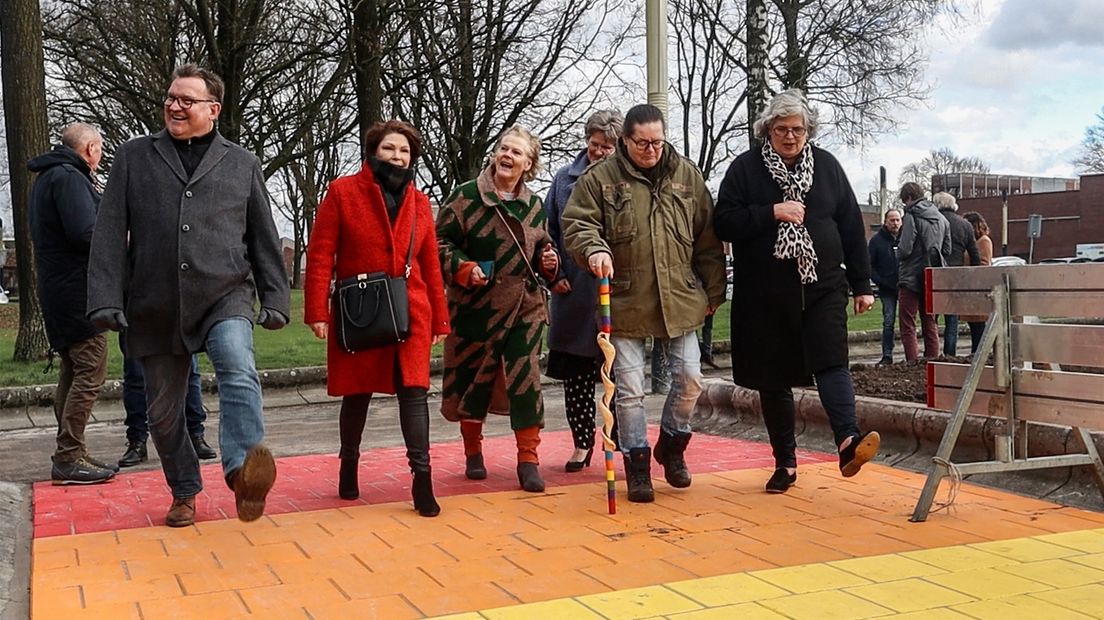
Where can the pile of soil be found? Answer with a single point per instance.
(904, 381)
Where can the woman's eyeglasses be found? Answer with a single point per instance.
(782, 132)
(644, 145)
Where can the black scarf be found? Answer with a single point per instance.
(393, 182)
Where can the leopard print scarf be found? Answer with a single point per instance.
(793, 239)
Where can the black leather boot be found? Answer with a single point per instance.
(529, 478)
(422, 490)
(202, 450)
(638, 472)
(414, 421)
(669, 451)
(347, 485)
(135, 453)
(474, 469)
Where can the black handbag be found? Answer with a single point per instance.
(372, 309)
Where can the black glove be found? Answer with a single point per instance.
(109, 318)
(271, 319)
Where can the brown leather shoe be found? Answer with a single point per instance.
(181, 513)
(252, 482)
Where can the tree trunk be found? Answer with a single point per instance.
(757, 64)
(25, 121)
(367, 61)
(797, 65)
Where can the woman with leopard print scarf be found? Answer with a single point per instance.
(799, 250)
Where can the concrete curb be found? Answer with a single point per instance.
(910, 437)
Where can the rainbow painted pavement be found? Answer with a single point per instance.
(829, 548)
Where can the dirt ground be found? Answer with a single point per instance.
(904, 381)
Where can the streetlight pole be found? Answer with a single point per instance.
(656, 19)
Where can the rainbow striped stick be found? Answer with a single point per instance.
(608, 386)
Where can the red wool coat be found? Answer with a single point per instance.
(352, 235)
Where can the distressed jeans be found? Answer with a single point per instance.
(684, 367)
(229, 346)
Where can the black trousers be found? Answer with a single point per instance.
(413, 420)
(837, 395)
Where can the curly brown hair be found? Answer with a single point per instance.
(381, 129)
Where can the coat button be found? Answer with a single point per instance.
(185, 228)
(184, 266)
(188, 193)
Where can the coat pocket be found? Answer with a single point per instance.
(618, 215)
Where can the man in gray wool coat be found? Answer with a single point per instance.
(185, 236)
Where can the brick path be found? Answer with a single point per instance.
(830, 548)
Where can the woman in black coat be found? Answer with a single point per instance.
(798, 247)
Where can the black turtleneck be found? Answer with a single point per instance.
(393, 182)
(192, 150)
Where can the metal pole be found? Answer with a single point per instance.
(1004, 222)
(882, 193)
(656, 19)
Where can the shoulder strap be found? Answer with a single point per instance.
(410, 250)
(521, 248)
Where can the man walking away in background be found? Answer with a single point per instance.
(62, 215)
(883, 270)
(963, 245)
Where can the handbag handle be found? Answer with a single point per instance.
(410, 250)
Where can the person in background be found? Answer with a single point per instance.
(964, 251)
(985, 257)
(573, 354)
(496, 258)
(137, 420)
(642, 217)
(883, 270)
(799, 251)
(365, 225)
(62, 215)
(925, 241)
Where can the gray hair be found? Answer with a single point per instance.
(943, 200)
(790, 102)
(77, 135)
(606, 122)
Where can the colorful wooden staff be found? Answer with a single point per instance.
(608, 386)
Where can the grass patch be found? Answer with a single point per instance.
(293, 346)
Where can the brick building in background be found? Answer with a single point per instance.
(1069, 217)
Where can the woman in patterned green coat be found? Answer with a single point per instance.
(497, 257)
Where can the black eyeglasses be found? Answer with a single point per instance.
(186, 102)
(644, 145)
(781, 132)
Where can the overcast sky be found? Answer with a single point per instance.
(1017, 86)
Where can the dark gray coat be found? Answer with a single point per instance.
(922, 230)
(201, 249)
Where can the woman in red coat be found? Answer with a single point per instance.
(364, 226)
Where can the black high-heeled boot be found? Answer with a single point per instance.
(422, 490)
(347, 485)
(414, 421)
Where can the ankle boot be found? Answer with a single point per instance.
(422, 491)
(528, 474)
(638, 472)
(347, 485)
(529, 478)
(669, 452)
(414, 422)
(472, 433)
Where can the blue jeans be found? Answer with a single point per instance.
(684, 367)
(229, 346)
(950, 334)
(889, 319)
(134, 399)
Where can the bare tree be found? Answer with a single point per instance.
(940, 161)
(472, 69)
(710, 80)
(1091, 158)
(112, 60)
(25, 124)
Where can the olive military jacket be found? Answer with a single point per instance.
(668, 265)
